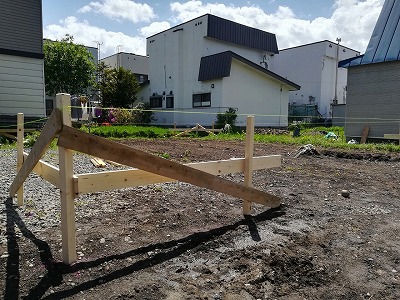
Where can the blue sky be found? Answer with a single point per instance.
(128, 22)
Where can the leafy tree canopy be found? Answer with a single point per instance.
(118, 87)
(68, 67)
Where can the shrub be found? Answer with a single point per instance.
(142, 114)
(120, 116)
(229, 117)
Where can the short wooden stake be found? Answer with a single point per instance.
(20, 154)
(248, 161)
(67, 192)
(364, 135)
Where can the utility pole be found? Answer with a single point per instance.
(118, 56)
(98, 50)
(97, 92)
(338, 40)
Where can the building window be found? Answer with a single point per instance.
(141, 78)
(170, 102)
(156, 101)
(202, 100)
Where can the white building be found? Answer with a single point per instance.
(209, 64)
(313, 67)
(137, 64)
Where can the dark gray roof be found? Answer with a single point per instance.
(218, 65)
(235, 33)
(384, 44)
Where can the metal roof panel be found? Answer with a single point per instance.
(218, 65)
(235, 33)
(384, 44)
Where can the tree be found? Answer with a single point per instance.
(118, 87)
(229, 117)
(68, 67)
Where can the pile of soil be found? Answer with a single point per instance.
(177, 241)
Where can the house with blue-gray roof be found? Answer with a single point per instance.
(373, 84)
(209, 64)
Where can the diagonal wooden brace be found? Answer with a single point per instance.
(77, 140)
(49, 132)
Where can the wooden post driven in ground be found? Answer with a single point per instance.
(248, 161)
(49, 132)
(20, 154)
(67, 192)
(151, 169)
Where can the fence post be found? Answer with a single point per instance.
(67, 193)
(248, 161)
(20, 154)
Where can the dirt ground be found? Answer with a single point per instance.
(176, 241)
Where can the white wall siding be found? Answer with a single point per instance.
(212, 46)
(174, 63)
(175, 60)
(312, 66)
(258, 95)
(138, 64)
(21, 86)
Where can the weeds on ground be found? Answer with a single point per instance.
(308, 135)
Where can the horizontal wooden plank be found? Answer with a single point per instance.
(2, 130)
(100, 147)
(110, 180)
(47, 171)
(7, 135)
(200, 129)
(392, 136)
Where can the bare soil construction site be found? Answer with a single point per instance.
(177, 241)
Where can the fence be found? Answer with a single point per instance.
(150, 169)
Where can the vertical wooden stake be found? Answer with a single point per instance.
(212, 126)
(67, 193)
(248, 161)
(20, 154)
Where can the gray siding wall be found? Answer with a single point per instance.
(21, 86)
(21, 25)
(373, 99)
(21, 58)
(338, 114)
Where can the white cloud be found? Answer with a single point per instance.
(121, 9)
(86, 34)
(351, 20)
(154, 28)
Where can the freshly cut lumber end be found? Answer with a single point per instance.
(98, 162)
